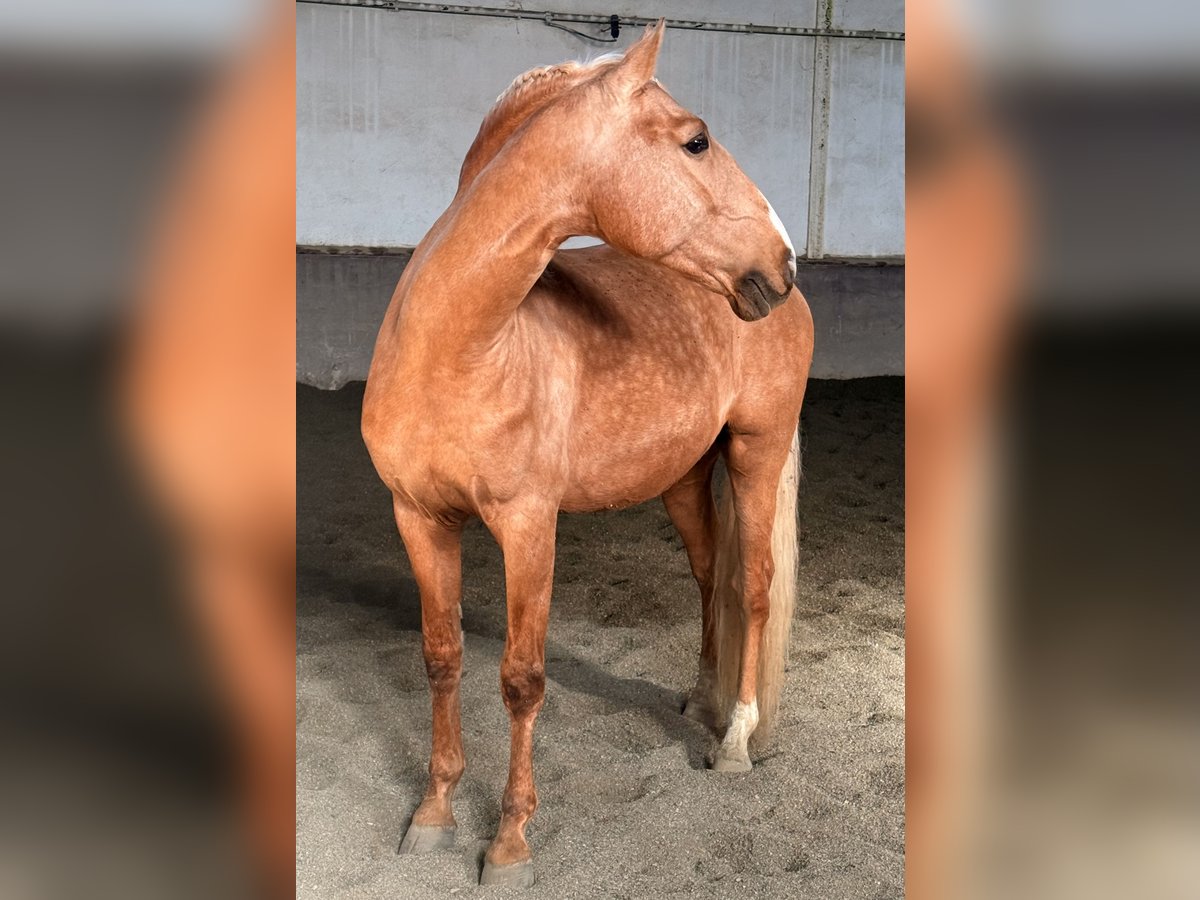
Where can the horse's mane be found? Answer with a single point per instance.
(529, 93)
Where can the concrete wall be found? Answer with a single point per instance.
(858, 311)
(389, 101)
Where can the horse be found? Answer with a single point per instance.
(512, 380)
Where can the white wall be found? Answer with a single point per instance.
(864, 178)
(389, 101)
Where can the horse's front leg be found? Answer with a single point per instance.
(527, 540)
(689, 503)
(435, 554)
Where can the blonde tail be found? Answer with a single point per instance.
(729, 614)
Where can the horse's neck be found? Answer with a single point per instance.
(481, 259)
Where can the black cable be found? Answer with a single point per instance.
(614, 28)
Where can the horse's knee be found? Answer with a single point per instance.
(443, 665)
(523, 686)
(519, 802)
(447, 767)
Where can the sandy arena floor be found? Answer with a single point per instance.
(627, 808)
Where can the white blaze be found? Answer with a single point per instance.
(775, 220)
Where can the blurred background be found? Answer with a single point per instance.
(146, 450)
(1052, 326)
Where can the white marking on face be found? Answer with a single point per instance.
(775, 220)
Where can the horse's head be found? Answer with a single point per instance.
(664, 189)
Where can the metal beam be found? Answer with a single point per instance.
(600, 20)
(819, 150)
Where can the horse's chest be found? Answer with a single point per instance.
(452, 435)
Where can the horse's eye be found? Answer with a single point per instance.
(697, 145)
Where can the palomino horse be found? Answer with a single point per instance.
(512, 380)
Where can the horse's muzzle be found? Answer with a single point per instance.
(755, 297)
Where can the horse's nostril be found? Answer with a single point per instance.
(789, 273)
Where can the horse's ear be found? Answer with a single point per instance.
(637, 67)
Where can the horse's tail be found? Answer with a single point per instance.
(729, 619)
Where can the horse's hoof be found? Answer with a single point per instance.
(426, 838)
(519, 875)
(731, 762)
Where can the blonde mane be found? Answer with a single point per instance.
(528, 94)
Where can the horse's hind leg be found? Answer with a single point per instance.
(435, 554)
(689, 503)
(754, 462)
(527, 539)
